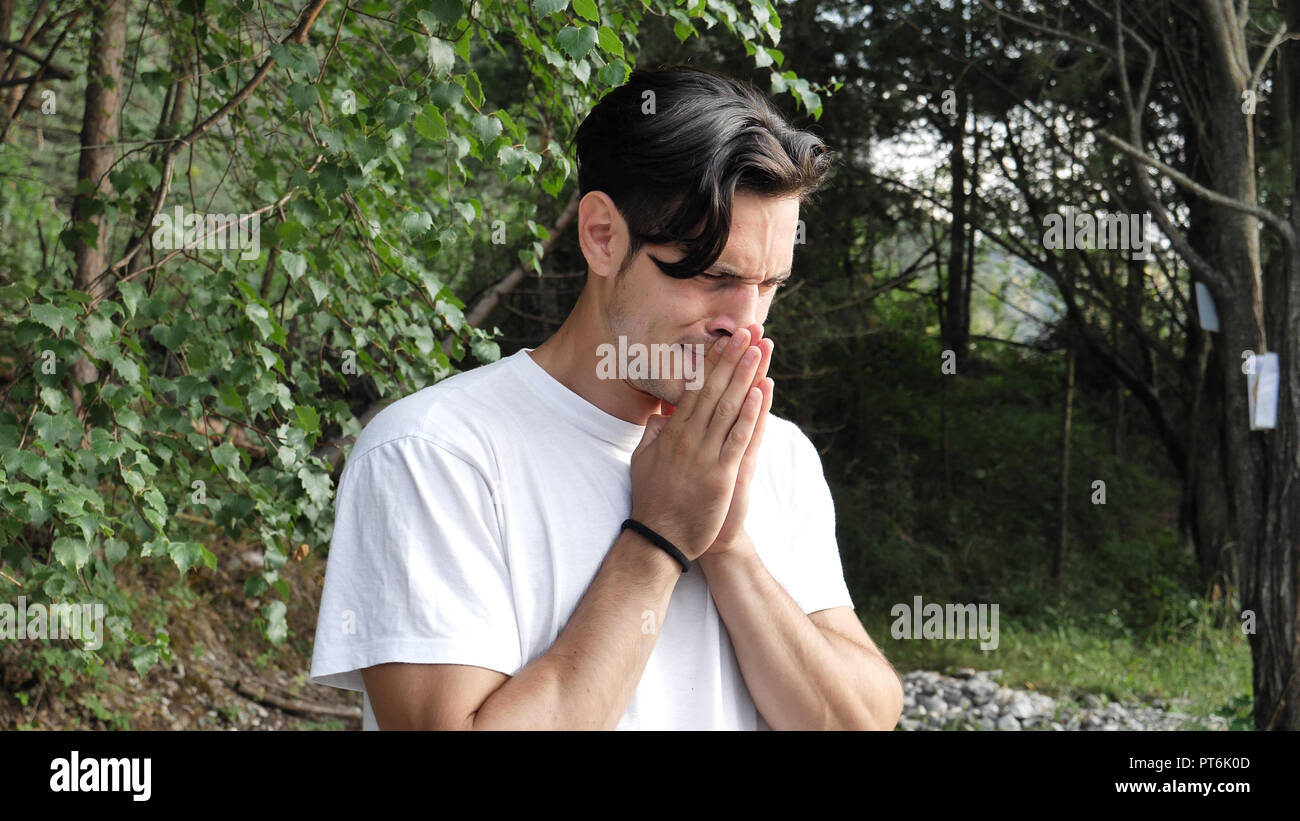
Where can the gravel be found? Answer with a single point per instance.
(973, 700)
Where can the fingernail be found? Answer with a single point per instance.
(736, 342)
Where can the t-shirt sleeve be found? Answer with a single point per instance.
(817, 578)
(416, 570)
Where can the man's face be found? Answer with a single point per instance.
(649, 307)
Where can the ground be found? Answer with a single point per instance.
(224, 675)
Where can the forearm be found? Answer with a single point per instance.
(798, 676)
(587, 677)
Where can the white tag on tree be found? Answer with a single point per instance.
(1205, 308)
(1261, 388)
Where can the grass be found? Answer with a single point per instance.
(1131, 621)
(1207, 665)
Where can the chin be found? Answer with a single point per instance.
(670, 391)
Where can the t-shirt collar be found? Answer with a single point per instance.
(574, 408)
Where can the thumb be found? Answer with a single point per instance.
(653, 426)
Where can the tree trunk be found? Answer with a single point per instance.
(99, 134)
(1270, 568)
(1063, 494)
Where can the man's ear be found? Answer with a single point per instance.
(602, 233)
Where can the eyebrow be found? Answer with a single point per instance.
(723, 269)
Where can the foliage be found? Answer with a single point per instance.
(381, 162)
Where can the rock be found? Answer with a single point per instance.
(1020, 706)
(1008, 722)
(1091, 701)
(934, 704)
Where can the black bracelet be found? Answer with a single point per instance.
(658, 540)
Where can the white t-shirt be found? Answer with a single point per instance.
(473, 515)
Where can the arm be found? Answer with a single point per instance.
(682, 474)
(583, 682)
(818, 671)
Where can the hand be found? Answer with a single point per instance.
(732, 536)
(684, 469)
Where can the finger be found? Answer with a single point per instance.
(715, 384)
(729, 404)
(768, 387)
(653, 426)
(691, 397)
(766, 346)
(733, 449)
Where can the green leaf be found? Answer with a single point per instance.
(229, 396)
(71, 553)
(577, 41)
(544, 8)
(186, 555)
(277, 629)
(308, 418)
(132, 292)
(441, 55)
(586, 9)
(170, 338)
(447, 11)
(417, 222)
(445, 94)
(319, 290)
(127, 369)
(303, 96)
(49, 316)
(614, 74)
(486, 128)
(294, 264)
(143, 658)
(429, 123)
(226, 455)
(260, 317)
(114, 551)
(485, 350)
(609, 41)
(316, 484)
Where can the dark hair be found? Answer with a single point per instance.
(677, 155)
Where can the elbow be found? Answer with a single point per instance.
(892, 700)
(880, 704)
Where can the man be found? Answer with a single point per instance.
(480, 575)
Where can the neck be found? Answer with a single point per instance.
(570, 357)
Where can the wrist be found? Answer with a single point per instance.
(650, 559)
(731, 552)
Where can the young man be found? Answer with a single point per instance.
(481, 575)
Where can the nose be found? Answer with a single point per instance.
(742, 308)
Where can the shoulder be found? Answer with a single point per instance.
(457, 414)
(787, 442)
